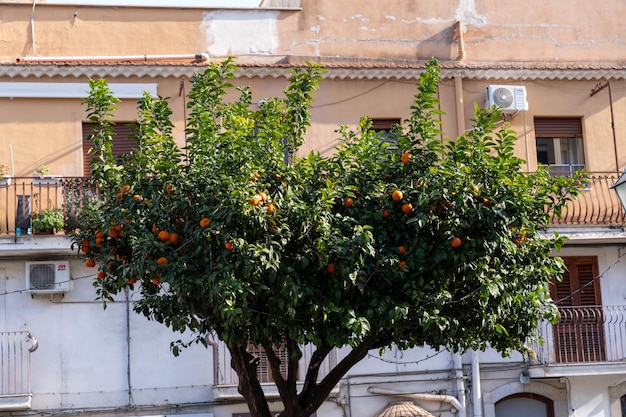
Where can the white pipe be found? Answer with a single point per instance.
(11, 156)
(457, 363)
(449, 399)
(477, 395)
(126, 58)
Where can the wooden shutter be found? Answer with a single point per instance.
(579, 335)
(558, 127)
(384, 124)
(122, 143)
(264, 372)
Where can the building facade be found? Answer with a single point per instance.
(557, 68)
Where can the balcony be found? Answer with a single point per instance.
(589, 337)
(15, 350)
(24, 197)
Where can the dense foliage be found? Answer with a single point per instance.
(401, 238)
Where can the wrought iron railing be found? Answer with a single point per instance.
(589, 334)
(24, 197)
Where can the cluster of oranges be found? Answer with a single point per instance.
(261, 199)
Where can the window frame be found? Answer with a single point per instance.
(567, 130)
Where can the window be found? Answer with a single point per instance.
(385, 126)
(560, 144)
(524, 405)
(122, 143)
(579, 335)
(264, 372)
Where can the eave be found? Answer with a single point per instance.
(336, 70)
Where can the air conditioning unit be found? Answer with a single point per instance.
(48, 277)
(509, 98)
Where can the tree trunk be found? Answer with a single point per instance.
(249, 387)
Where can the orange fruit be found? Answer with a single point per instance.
(397, 195)
(132, 280)
(90, 263)
(117, 227)
(402, 264)
(255, 201)
(455, 242)
(125, 188)
(228, 245)
(271, 208)
(162, 261)
(348, 202)
(169, 188)
(154, 228)
(85, 248)
(173, 238)
(273, 229)
(99, 235)
(485, 201)
(406, 156)
(402, 250)
(330, 268)
(156, 280)
(102, 275)
(385, 213)
(99, 242)
(407, 208)
(164, 235)
(263, 196)
(114, 233)
(137, 197)
(205, 222)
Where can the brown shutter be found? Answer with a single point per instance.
(122, 143)
(384, 124)
(579, 335)
(558, 127)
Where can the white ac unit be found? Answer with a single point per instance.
(48, 277)
(509, 98)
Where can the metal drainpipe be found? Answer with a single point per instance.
(126, 58)
(128, 375)
(449, 399)
(477, 395)
(457, 364)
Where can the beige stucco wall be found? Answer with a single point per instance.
(533, 30)
(493, 33)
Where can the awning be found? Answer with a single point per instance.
(404, 409)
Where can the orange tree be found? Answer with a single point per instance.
(415, 241)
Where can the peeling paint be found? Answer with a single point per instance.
(230, 32)
(466, 13)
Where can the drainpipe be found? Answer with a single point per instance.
(458, 36)
(449, 399)
(126, 58)
(460, 110)
(477, 395)
(457, 364)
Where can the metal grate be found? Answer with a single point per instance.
(42, 276)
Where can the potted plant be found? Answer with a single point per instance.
(5, 177)
(48, 221)
(43, 177)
